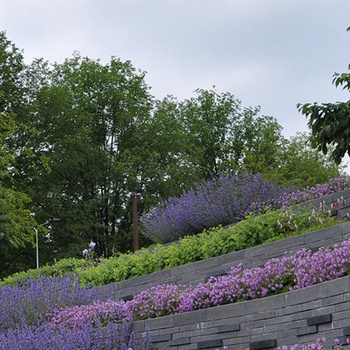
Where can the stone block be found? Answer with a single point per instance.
(263, 344)
(299, 332)
(316, 320)
(229, 328)
(160, 338)
(180, 341)
(210, 344)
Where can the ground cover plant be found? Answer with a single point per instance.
(226, 200)
(222, 200)
(262, 225)
(294, 271)
(255, 230)
(24, 323)
(319, 344)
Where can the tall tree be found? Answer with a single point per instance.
(87, 117)
(330, 122)
(264, 148)
(302, 165)
(16, 222)
(17, 225)
(218, 130)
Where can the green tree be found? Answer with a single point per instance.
(263, 154)
(302, 165)
(218, 130)
(98, 136)
(11, 76)
(165, 168)
(16, 222)
(87, 118)
(330, 122)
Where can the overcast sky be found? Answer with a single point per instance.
(272, 53)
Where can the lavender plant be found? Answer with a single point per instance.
(90, 337)
(289, 198)
(220, 201)
(294, 271)
(26, 307)
(227, 200)
(28, 302)
(319, 344)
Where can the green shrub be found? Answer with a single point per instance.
(254, 230)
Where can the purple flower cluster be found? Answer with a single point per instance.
(75, 317)
(44, 337)
(319, 344)
(220, 201)
(26, 308)
(29, 301)
(302, 269)
(291, 197)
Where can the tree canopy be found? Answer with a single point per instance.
(330, 122)
(76, 137)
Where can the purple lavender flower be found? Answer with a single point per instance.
(299, 270)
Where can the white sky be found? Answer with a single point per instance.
(272, 53)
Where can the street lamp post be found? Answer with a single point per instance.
(37, 247)
(134, 197)
(37, 239)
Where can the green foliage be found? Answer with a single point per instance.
(278, 224)
(330, 122)
(11, 77)
(16, 222)
(217, 241)
(301, 165)
(210, 243)
(102, 273)
(264, 148)
(218, 132)
(305, 166)
(77, 136)
(253, 231)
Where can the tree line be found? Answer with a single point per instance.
(76, 137)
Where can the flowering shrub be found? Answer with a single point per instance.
(302, 269)
(28, 301)
(289, 198)
(91, 336)
(227, 200)
(75, 317)
(220, 201)
(26, 307)
(319, 344)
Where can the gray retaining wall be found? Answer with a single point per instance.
(299, 316)
(200, 271)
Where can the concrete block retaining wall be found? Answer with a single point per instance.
(199, 271)
(299, 316)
